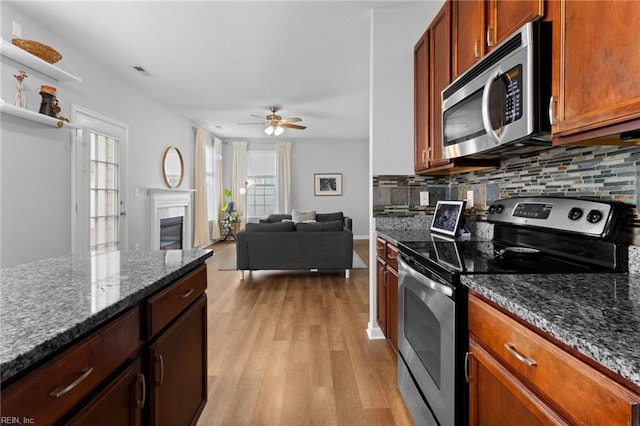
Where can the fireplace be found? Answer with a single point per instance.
(167, 204)
(171, 233)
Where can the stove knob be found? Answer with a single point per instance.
(594, 216)
(499, 208)
(492, 209)
(575, 213)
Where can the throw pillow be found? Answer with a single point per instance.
(335, 225)
(300, 216)
(328, 217)
(270, 227)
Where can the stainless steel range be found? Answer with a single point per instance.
(532, 235)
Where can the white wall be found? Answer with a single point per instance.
(395, 32)
(349, 157)
(35, 161)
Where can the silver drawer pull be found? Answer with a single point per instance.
(62, 390)
(187, 293)
(143, 391)
(512, 349)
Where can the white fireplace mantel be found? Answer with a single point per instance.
(165, 203)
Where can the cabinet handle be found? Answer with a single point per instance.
(161, 381)
(424, 154)
(62, 390)
(143, 391)
(552, 117)
(186, 294)
(466, 366)
(512, 349)
(476, 45)
(489, 42)
(429, 154)
(391, 256)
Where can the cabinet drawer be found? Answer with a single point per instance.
(381, 248)
(47, 393)
(392, 256)
(166, 305)
(581, 394)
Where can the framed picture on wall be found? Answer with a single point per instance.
(327, 183)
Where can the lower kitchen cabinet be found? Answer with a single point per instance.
(387, 290)
(121, 403)
(178, 369)
(517, 375)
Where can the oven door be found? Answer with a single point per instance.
(426, 340)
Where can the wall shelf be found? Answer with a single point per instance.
(10, 51)
(6, 108)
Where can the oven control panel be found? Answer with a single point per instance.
(589, 217)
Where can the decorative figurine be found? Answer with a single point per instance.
(49, 105)
(21, 96)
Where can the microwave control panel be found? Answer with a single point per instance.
(511, 90)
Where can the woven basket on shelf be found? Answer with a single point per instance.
(38, 49)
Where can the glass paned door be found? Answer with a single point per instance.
(99, 176)
(104, 193)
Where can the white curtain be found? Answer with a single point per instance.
(283, 177)
(217, 183)
(239, 178)
(201, 219)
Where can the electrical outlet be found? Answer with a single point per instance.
(470, 198)
(137, 246)
(424, 198)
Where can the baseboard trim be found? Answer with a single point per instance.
(374, 332)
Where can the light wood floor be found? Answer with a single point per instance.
(291, 349)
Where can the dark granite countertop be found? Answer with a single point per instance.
(46, 304)
(596, 314)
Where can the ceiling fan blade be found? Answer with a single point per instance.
(261, 117)
(292, 119)
(293, 126)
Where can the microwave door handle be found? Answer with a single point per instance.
(486, 119)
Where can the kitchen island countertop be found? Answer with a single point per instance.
(596, 314)
(47, 304)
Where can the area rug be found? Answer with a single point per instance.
(230, 265)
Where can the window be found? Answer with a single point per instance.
(104, 193)
(210, 168)
(261, 180)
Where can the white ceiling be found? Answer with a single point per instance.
(217, 62)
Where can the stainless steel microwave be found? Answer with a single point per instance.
(497, 107)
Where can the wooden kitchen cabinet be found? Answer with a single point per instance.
(516, 372)
(178, 369)
(479, 25)
(121, 403)
(387, 290)
(596, 89)
(54, 389)
(432, 74)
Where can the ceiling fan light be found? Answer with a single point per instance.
(278, 130)
(269, 130)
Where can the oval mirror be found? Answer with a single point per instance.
(173, 167)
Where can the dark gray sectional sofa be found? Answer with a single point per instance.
(273, 244)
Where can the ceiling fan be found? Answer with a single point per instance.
(276, 124)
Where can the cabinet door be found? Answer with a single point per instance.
(421, 102)
(392, 307)
(497, 398)
(120, 403)
(381, 293)
(596, 80)
(506, 16)
(468, 34)
(439, 78)
(178, 369)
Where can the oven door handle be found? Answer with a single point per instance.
(432, 284)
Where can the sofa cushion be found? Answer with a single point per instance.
(334, 225)
(302, 216)
(273, 218)
(270, 227)
(329, 217)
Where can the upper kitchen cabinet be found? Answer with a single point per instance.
(480, 25)
(595, 86)
(432, 68)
